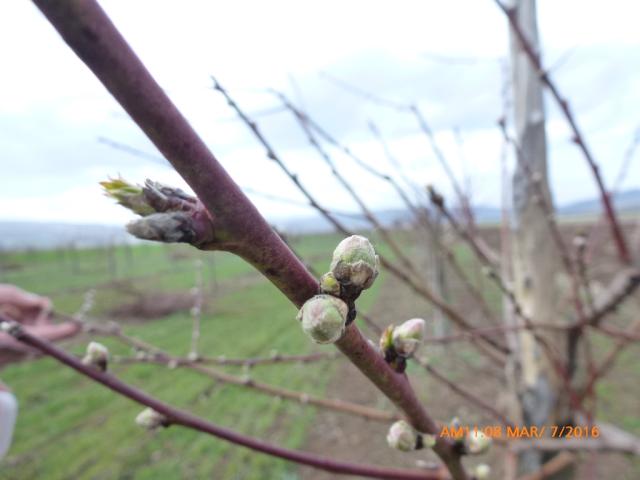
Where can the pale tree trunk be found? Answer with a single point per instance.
(436, 272)
(535, 258)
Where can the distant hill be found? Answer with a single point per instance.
(627, 201)
(21, 235)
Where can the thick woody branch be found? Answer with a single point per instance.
(93, 37)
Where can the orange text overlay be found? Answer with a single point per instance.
(501, 431)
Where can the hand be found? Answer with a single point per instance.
(34, 312)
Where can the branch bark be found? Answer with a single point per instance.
(92, 36)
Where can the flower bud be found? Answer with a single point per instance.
(323, 318)
(428, 441)
(174, 227)
(127, 195)
(355, 262)
(408, 336)
(402, 436)
(482, 471)
(478, 442)
(150, 419)
(329, 284)
(97, 356)
(193, 357)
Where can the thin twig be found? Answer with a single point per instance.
(578, 139)
(188, 420)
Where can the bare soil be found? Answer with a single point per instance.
(345, 437)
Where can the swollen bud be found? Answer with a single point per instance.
(323, 318)
(97, 356)
(151, 420)
(329, 284)
(355, 262)
(407, 337)
(482, 471)
(171, 227)
(478, 442)
(402, 436)
(127, 195)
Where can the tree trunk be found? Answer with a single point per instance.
(535, 257)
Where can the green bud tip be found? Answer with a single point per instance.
(428, 441)
(329, 284)
(408, 336)
(402, 436)
(355, 262)
(386, 339)
(323, 318)
(128, 195)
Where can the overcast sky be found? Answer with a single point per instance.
(444, 56)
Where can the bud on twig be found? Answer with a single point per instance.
(428, 441)
(407, 337)
(323, 318)
(174, 227)
(329, 284)
(434, 196)
(97, 356)
(151, 420)
(403, 437)
(478, 442)
(128, 195)
(355, 262)
(482, 471)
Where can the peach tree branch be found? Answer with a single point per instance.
(239, 227)
(175, 416)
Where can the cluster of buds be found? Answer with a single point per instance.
(97, 355)
(354, 267)
(397, 344)
(151, 420)
(167, 212)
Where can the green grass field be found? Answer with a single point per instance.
(69, 427)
